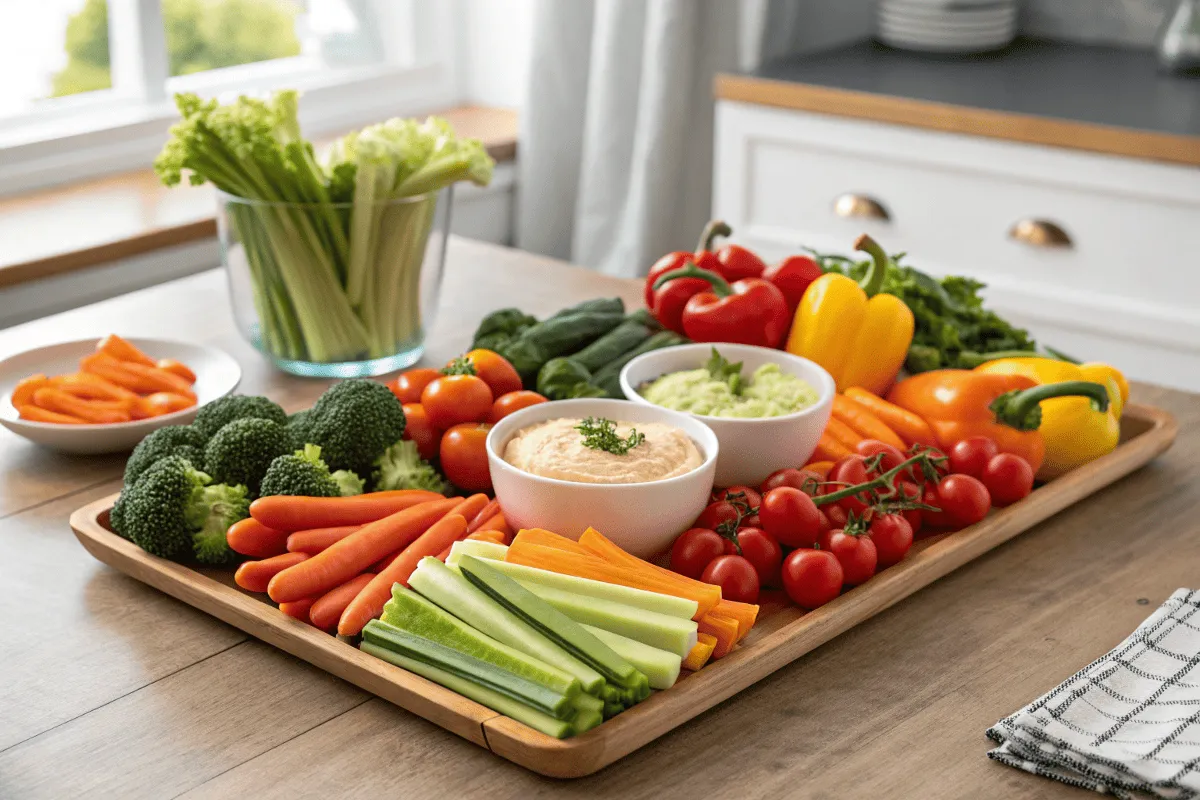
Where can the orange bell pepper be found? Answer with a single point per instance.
(959, 403)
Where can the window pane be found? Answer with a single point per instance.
(51, 48)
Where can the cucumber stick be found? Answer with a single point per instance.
(659, 666)
(556, 626)
(454, 593)
(477, 548)
(484, 673)
(535, 719)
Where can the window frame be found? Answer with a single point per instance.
(123, 128)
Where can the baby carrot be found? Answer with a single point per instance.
(299, 609)
(820, 468)
(912, 429)
(92, 387)
(864, 422)
(315, 540)
(177, 368)
(830, 449)
(123, 350)
(160, 403)
(255, 576)
(23, 392)
(843, 433)
(133, 376)
(326, 612)
(287, 513)
(483, 516)
(93, 411)
(497, 524)
(489, 536)
(251, 538)
(369, 602)
(35, 414)
(342, 560)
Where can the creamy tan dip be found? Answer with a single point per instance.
(555, 449)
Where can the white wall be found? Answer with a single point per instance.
(493, 51)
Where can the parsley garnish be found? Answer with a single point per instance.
(601, 434)
(721, 370)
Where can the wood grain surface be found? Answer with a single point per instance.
(895, 707)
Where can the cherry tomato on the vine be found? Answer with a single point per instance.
(464, 456)
(939, 518)
(812, 578)
(735, 575)
(835, 516)
(407, 386)
(494, 370)
(1008, 478)
(891, 456)
(893, 537)
(850, 471)
(718, 512)
(906, 490)
(453, 399)
(964, 499)
(761, 550)
(694, 549)
(971, 455)
(511, 402)
(796, 478)
(790, 516)
(856, 554)
(750, 497)
(418, 429)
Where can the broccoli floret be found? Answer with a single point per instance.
(210, 516)
(302, 473)
(241, 452)
(348, 482)
(401, 467)
(116, 517)
(298, 426)
(354, 422)
(183, 440)
(219, 413)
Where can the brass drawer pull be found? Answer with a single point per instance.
(860, 205)
(1039, 233)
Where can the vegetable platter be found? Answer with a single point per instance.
(782, 634)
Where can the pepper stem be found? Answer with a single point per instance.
(720, 286)
(872, 282)
(1019, 408)
(712, 230)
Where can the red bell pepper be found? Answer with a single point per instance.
(748, 311)
(671, 297)
(731, 262)
(793, 276)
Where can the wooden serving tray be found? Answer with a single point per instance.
(783, 633)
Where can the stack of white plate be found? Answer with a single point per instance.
(947, 26)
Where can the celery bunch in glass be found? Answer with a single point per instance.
(334, 247)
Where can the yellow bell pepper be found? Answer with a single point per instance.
(858, 335)
(1073, 430)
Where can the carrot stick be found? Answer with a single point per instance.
(287, 513)
(314, 540)
(342, 560)
(497, 524)
(819, 468)
(701, 651)
(325, 613)
(36, 414)
(488, 536)
(136, 377)
(123, 350)
(93, 387)
(842, 433)
(23, 392)
(299, 609)
(176, 368)
(549, 539)
(490, 510)
(94, 411)
(251, 538)
(745, 614)
(160, 403)
(369, 603)
(471, 506)
(256, 576)
(830, 449)
(723, 628)
(864, 422)
(911, 428)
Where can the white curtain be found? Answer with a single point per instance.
(615, 164)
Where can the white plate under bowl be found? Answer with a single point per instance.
(946, 44)
(946, 26)
(981, 12)
(898, 32)
(217, 374)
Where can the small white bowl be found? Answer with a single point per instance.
(751, 449)
(642, 518)
(217, 374)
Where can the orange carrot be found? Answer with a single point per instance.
(549, 539)
(136, 377)
(383, 563)
(299, 609)
(251, 538)
(488, 536)
(159, 403)
(745, 614)
(176, 368)
(723, 628)
(342, 560)
(256, 576)
(864, 422)
(471, 506)
(490, 510)
(326, 612)
(93, 387)
(698, 656)
(287, 513)
(369, 603)
(123, 350)
(911, 428)
(94, 411)
(499, 524)
(314, 540)
(842, 433)
(35, 414)
(23, 392)
(820, 468)
(830, 449)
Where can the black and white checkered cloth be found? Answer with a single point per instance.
(1128, 724)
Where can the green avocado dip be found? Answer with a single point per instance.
(719, 390)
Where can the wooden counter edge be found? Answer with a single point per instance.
(1163, 147)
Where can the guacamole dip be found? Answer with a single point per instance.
(720, 390)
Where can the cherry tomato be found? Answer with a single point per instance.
(736, 577)
(417, 429)
(721, 511)
(694, 549)
(893, 537)
(407, 386)
(835, 516)
(750, 497)
(453, 399)
(1008, 478)
(891, 459)
(796, 478)
(464, 456)
(495, 370)
(856, 554)
(935, 519)
(971, 455)
(790, 516)
(907, 490)
(761, 550)
(812, 578)
(942, 467)
(513, 401)
(964, 499)
(850, 470)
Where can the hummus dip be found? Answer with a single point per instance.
(555, 449)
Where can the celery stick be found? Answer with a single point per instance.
(477, 548)
(672, 634)
(555, 625)
(411, 612)
(586, 702)
(455, 594)
(666, 604)
(509, 684)
(535, 719)
(659, 666)
(588, 719)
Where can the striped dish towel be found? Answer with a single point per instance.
(1128, 724)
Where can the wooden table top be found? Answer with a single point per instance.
(110, 689)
